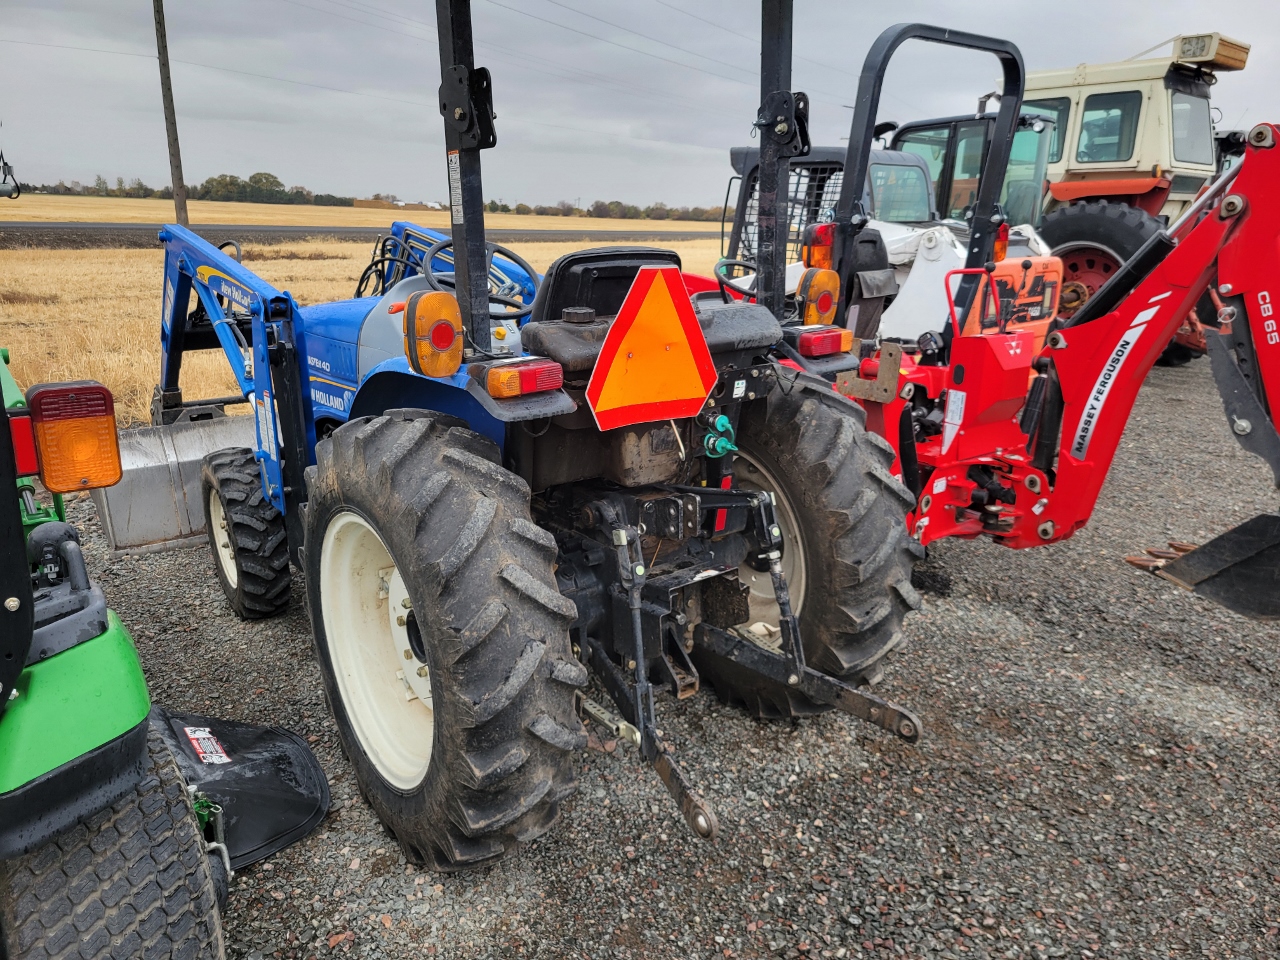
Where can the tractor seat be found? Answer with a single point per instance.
(598, 278)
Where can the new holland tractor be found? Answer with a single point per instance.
(517, 487)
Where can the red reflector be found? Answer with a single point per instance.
(442, 335)
(540, 375)
(24, 445)
(820, 343)
(825, 302)
(70, 401)
(823, 235)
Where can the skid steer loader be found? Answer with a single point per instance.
(604, 477)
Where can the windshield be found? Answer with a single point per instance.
(1109, 127)
(1192, 129)
(1057, 109)
(1024, 181)
(899, 194)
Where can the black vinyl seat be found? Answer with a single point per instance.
(598, 278)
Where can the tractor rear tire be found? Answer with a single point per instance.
(131, 880)
(442, 638)
(1094, 238)
(246, 534)
(844, 514)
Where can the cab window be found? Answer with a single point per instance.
(1057, 109)
(929, 143)
(899, 194)
(971, 142)
(1023, 178)
(1109, 127)
(1192, 129)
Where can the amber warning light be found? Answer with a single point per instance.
(75, 435)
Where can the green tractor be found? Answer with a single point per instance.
(120, 823)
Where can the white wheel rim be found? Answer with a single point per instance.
(220, 527)
(385, 691)
(750, 474)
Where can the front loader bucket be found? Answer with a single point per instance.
(1239, 569)
(156, 505)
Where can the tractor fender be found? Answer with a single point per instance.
(391, 385)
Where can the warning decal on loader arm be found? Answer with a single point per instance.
(654, 364)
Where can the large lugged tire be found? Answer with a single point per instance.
(246, 534)
(847, 554)
(441, 636)
(129, 881)
(1094, 238)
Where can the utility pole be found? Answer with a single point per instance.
(170, 117)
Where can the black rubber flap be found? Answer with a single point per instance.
(1239, 569)
(270, 786)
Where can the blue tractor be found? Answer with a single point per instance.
(495, 482)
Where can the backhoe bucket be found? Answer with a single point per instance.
(1239, 569)
(156, 505)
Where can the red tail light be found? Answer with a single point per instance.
(527, 376)
(24, 444)
(75, 431)
(1002, 243)
(822, 343)
(819, 238)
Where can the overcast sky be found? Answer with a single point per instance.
(636, 100)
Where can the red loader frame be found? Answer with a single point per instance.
(1025, 465)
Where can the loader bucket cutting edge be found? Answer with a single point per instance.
(1239, 569)
(157, 505)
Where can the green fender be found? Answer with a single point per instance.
(70, 704)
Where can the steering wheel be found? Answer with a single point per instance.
(503, 295)
(721, 271)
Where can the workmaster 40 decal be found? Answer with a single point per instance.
(1106, 379)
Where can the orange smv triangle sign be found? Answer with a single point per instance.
(654, 364)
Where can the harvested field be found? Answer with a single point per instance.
(95, 314)
(55, 208)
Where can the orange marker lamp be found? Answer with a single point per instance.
(75, 432)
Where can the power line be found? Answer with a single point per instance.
(614, 43)
(353, 93)
(643, 36)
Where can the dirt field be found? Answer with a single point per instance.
(95, 314)
(52, 208)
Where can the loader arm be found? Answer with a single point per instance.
(267, 363)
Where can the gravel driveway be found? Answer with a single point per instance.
(1098, 776)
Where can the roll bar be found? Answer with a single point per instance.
(986, 217)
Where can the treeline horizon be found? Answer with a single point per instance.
(265, 187)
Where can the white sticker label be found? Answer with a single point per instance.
(455, 186)
(739, 389)
(206, 745)
(953, 417)
(939, 485)
(1106, 379)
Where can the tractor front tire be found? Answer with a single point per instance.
(846, 551)
(131, 880)
(246, 535)
(441, 636)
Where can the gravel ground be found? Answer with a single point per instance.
(1097, 778)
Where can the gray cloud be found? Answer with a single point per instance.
(642, 111)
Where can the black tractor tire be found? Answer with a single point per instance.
(490, 622)
(131, 880)
(246, 535)
(1116, 229)
(834, 475)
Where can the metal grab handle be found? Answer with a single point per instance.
(956, 326)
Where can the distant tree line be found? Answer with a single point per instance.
(259, 188)
(611, 210)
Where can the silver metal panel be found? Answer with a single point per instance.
(156, 505)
